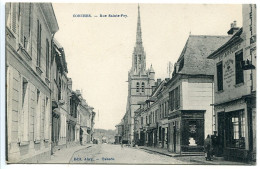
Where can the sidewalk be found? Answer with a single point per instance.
(159, 151)
(64, 155)
(195, 159)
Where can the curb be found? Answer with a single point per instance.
(159, 152)
(77, 151)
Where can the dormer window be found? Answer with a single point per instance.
(181, 64)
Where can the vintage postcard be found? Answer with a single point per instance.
(129, 83)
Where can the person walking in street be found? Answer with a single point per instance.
(208, 148)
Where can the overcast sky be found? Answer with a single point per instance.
(99, 50)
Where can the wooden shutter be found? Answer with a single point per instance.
(14, 13)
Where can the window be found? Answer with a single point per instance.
(235, 134)
(181, 64)
(165, 105)
(160, 111)
(137, 86)
(139, 58)
(37, 118)
(39, 32)
(220, 76)
(239, 70)
(142, 121)
(13, 19)
(8, 11)
(171, 98)
(43, 113)
(143, 87)
(177, 97)
(24, 117)
(47, 58)
(46, 122)
(156, 112)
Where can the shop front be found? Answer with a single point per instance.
(235, 123)
(186, 131)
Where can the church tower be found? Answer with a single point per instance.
(140, 82)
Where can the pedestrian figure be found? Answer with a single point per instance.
(122, 146)
(208, 148)
(214, 139)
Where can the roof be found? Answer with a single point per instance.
(234, 38)
(195, 52)
(49, 14)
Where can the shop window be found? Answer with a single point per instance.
(239, 70)
(236, 129)
(220, 76)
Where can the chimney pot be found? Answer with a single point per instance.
(235, 24)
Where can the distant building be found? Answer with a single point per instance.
(235, 90)
(92, 125)
(30, 28)
(73, 128)
(84, 116)
(60, 98)
(140, 82)
(119, 132)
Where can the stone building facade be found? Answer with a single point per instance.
(30, 28)
(41, 108)
(190, 117)
(60, 97)
(235, 90)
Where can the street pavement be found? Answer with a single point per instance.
(115, 154)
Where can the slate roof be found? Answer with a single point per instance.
(196, 51)
(234, 38)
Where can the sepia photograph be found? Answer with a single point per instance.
(130, 83)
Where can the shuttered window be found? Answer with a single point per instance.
(47, 58)
(14, 13)
(37, 117)
(220, 76)
(24, 113)
(39, 30)
(239, 70)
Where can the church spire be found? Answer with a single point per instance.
(138, 31)
(139, 58)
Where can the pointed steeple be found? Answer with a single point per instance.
(139, 58)
(138, 31)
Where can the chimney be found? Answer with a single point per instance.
(233, 28)
(158, 81)
(153, 88)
